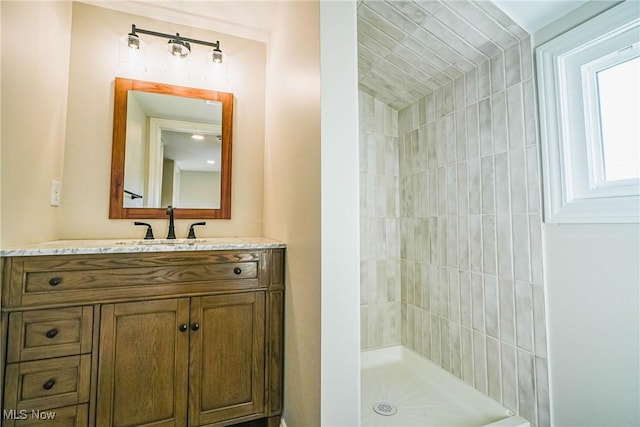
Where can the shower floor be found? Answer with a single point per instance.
(423, 393)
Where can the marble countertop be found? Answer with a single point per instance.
(68, 247)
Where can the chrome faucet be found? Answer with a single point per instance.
(172, 232)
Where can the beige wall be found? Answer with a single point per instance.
(286, 170)
(292, 196)
(35, 62)
(72, 141)
(95, 61)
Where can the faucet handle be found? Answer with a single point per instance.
(171, 234)
(192, 233)
(149, 235)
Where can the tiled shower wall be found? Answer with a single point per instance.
(472, 299)
(451, 233)
(379, 220)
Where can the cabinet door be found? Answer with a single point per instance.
(227, 357)
(142, 372)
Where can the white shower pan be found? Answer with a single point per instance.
(401, 388)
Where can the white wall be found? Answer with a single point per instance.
(35, 63)
(340, 396)
(169, 174)
(199, 188)
(593, 303)
(592, 276)
(135, 169)
(572, 19)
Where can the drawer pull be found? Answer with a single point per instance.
(195, 326)
(237, 270)
(49, 384)
(183, 327)
(51, 333)
(55, 281)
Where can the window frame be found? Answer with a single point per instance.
(573, 179)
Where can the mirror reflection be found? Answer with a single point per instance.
(173, 151)
(171, 146)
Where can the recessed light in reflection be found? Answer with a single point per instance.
(211, 162)
(198, 137)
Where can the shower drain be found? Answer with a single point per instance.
(384, 408)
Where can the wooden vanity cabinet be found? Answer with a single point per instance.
(214, 342)
(196, 343)
(227, 375)
(143, 364)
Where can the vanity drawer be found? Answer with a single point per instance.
(69, 416)
(43, 334)
(96, 278)
(46, 384)
(57, 281)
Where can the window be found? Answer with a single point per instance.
(589, 92)
(619, 114)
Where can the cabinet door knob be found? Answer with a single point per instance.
(55, 281)
(49, 384)
(237, 270)
(51, 333)
(195, 326)
(183, 327)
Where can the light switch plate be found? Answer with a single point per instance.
(55, 192)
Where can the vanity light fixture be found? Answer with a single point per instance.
(197, 137)
(178, 46)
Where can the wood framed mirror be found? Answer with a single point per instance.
(172, 145)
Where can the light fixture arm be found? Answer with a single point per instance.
(175, 36)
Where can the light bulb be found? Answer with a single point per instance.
(216, 55)
(179, 48)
